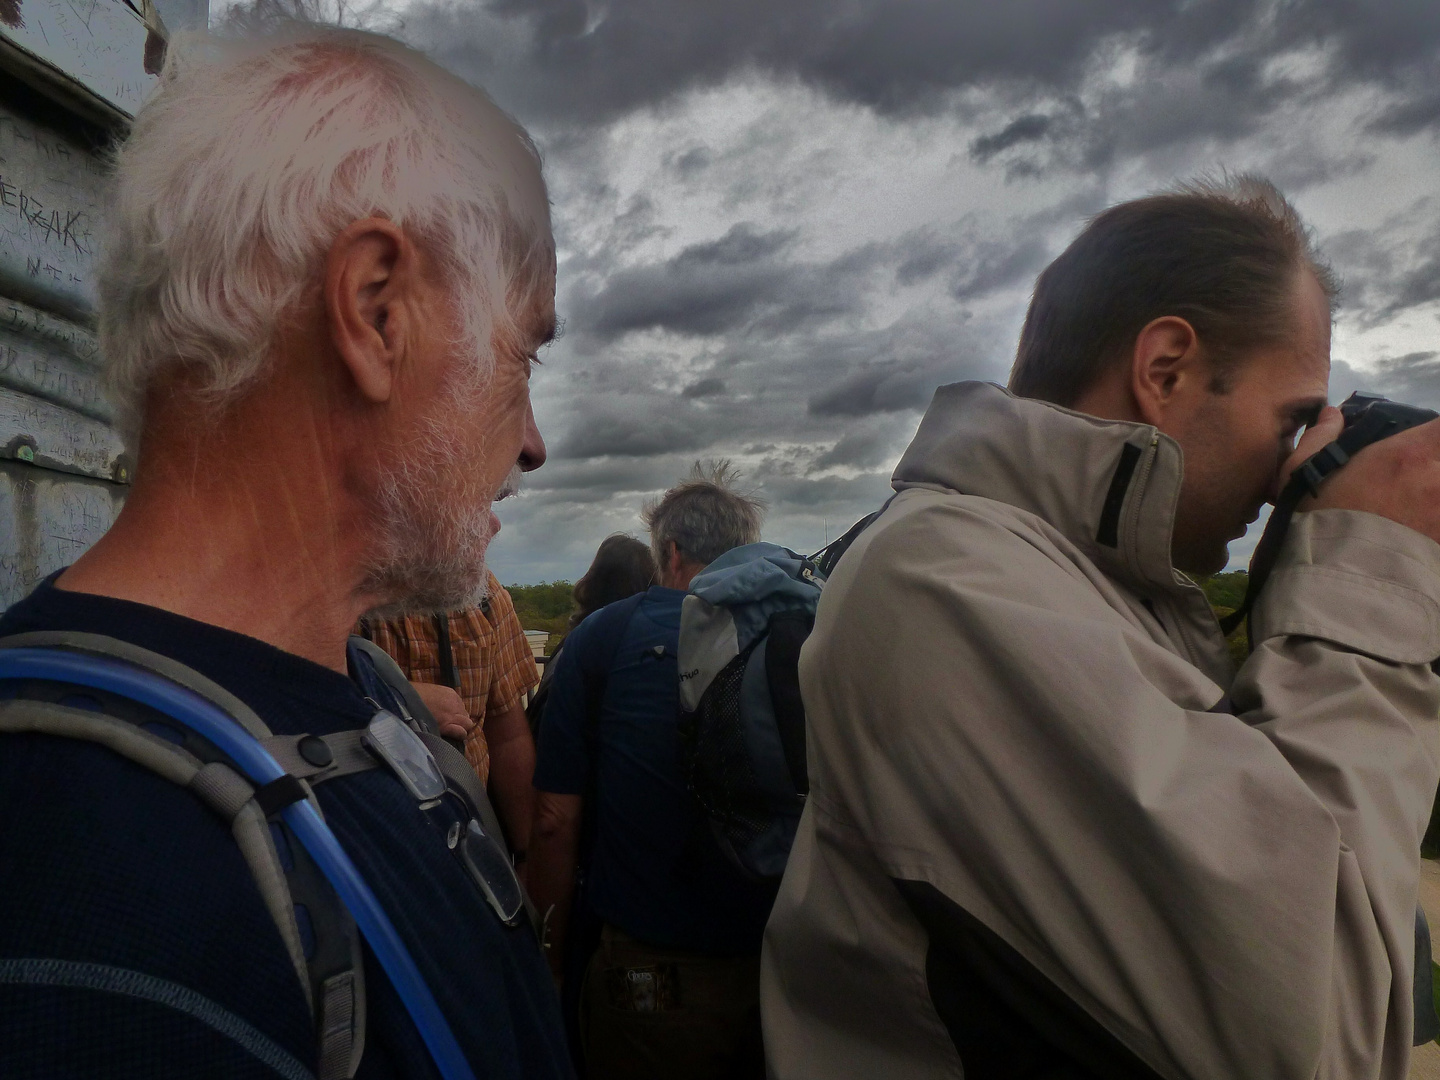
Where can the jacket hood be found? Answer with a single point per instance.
(1110, 487)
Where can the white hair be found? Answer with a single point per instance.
(252, 155)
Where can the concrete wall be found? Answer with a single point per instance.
(68, 85)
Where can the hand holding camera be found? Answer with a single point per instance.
(1396, 472)
(1390, 455)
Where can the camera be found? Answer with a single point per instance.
(1373, 418)
(1368, 419)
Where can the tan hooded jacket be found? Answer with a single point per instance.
(1017, 773)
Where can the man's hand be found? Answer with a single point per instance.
(449, 711)
(1397, 478)
(1325, 430)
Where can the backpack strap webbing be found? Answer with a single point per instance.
(827, 557)
(332, 977)
(412, 708)
(460, 776)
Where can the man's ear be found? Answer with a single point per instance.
(1166, 358)
(369, 271)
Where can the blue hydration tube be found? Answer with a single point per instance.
(213, 723)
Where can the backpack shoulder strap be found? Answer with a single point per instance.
(826, 558)
(410, 706)
(332, 977)
(176, 672)
(458, 772)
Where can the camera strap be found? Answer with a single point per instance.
(1370, 426)
(1303, 481)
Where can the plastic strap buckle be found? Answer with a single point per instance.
(278, 794)
(1321, 465)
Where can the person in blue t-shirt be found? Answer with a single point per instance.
(659, 952)
(329, 267)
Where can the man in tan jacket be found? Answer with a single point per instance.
(1051, 831)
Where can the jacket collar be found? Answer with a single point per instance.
(1110, 487)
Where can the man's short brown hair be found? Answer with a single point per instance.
(1222, 254)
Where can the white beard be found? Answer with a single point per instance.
(434, 529)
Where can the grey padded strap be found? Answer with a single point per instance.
(222, 789)
(347, 755)
(342, 1026)
(460, 775)
(252, 835)
(100, 645)
(161, 756)
(411, 704)
(229, 796)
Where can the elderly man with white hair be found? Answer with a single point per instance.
(330, 270)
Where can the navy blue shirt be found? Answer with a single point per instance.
(656, 871)
(111, 876)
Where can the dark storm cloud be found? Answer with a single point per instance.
(746, 281)
(803, 493)
(994, 264)
(1413, 378)
(571, 62)
(649, 428)
(1027, 128)
(859, 448)
(1408, 117)
(1391, 269)
(897, 368)
(884, 387)
(705, 388)
(578, 61)
(721, 285)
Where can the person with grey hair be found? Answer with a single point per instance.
(700, 519)
(659, 953)
(330, 270)
(1052, 831)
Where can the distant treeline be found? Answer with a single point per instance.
(1225, 593)
(544, 607)
(1226, 590)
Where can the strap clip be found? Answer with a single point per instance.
(279, 793)
(1321, 465)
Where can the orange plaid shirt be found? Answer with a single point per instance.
(492, 659)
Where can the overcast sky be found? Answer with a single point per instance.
(783, 223)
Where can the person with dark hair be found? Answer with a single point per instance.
(622, 567)
(660, 952)
(1051, 831)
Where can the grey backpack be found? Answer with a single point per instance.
(742, 723)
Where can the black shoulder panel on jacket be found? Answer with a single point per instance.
(1006, 1019)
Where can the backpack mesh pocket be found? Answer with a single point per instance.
(718, 770)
